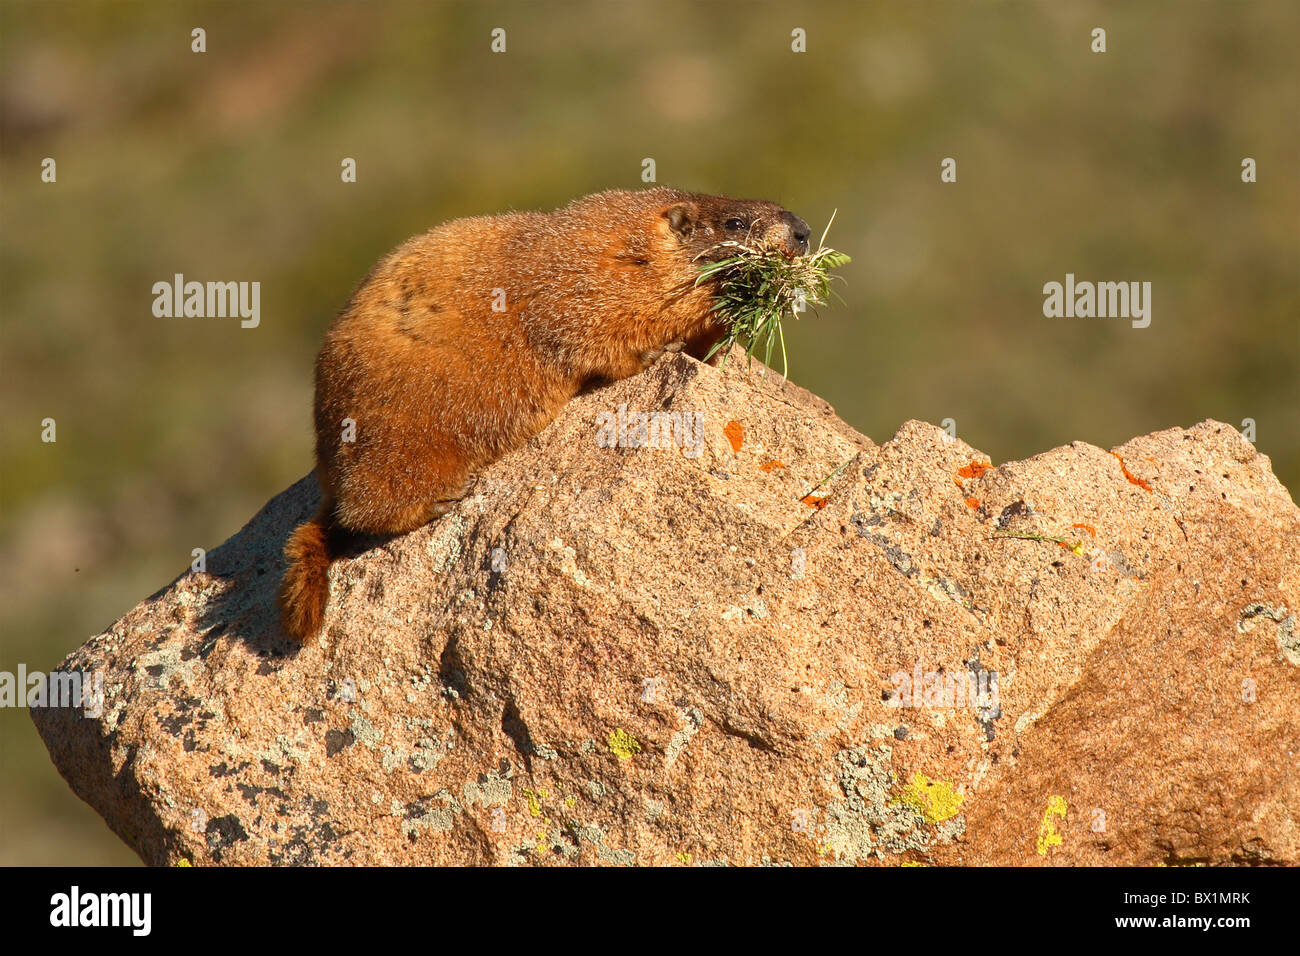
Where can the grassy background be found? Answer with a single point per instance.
(225, 165)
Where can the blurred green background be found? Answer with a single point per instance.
(225, 165)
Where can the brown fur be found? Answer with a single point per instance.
(439, 385)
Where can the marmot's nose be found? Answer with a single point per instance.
(799, 233)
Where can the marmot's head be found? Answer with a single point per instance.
(710, 227)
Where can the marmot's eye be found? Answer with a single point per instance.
(735, 225)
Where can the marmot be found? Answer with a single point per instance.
(466, 341)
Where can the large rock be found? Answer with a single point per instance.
(642, 655)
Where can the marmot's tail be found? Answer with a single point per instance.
(305, 590)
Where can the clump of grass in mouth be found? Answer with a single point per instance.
(759, 285)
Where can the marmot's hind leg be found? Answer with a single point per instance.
(385, 513)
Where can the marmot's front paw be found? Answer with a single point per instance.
(652, 356)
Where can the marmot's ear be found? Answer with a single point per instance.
(681, 218)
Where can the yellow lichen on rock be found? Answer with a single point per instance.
(1048, 835)
(623, 745)
(935, 800)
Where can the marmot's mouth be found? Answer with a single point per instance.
(755, 285)
(733, 248)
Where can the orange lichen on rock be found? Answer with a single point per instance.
(735, 433)
(1132, 478)
(770, 466)
(813, 501)
(973, 503)
(1086, 527)
(975, 469)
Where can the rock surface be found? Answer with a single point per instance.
(676, 655)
